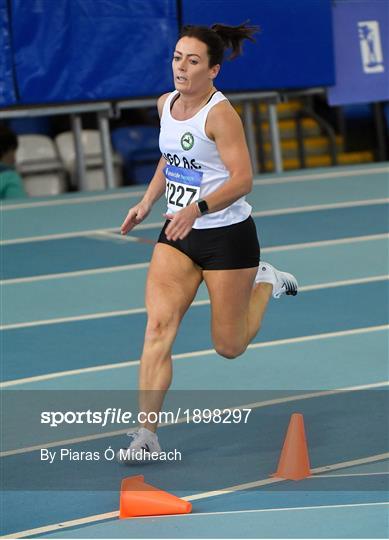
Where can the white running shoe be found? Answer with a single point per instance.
(283, 283)
(144, 443)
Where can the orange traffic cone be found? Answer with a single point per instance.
(294, 459)
(140, 499)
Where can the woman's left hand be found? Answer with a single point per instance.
(181, 223)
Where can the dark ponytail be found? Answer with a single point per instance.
(233, 36)
(220, 37)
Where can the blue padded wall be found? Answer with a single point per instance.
(293, 50)
(75, 50)
(7, 89)
(88, 50)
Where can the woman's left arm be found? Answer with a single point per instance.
(225, 128)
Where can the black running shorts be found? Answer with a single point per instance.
(220, 248)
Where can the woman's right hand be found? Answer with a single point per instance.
(135, 215)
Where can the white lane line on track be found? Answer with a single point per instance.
(284, 509)
(327, 243)
(157, 225)
(271, 179)
(137, 266)
(119, 238)
(344, 283)
(351, 474)
(76, 200)
(184, 420)
(232, 489)
(319, 207)
(319, 176)
(197, 303)
(194, 354)
(78, 273)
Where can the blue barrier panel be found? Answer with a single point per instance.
(7, 89)
(75, 50)
(294, 49)
(361, 35)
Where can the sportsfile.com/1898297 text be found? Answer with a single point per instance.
(119, 416)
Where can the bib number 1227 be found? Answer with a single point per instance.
(179, 195)
(182, 186)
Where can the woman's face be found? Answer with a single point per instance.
(191, 70)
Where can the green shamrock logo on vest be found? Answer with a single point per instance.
(187, 141)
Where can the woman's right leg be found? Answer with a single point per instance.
(172, 283)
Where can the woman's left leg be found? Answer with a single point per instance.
(237, 307)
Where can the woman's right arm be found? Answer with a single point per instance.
(156, 188)
(140, 211)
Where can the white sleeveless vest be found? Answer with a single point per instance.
(184, 144)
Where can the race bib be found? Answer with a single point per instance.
(182, 186)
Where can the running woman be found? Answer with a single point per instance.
(209, 234)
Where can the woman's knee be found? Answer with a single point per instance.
(161, 326)
(229, 349)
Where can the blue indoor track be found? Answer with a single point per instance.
(73, 319)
